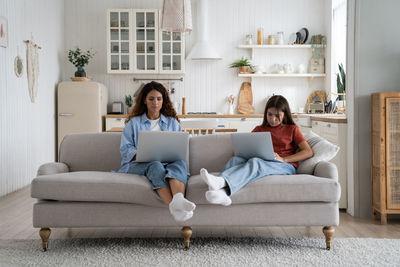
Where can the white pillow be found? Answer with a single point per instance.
(323, 151)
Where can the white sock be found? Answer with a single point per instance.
(179, 202)
(181, 215)
(218, 197)
(214, 182)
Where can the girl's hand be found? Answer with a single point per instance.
(277, 157)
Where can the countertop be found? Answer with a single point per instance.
(328, 117)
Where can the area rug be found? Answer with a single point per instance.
(203, 252)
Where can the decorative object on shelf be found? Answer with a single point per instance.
(249, 39)
(279, 39)
(259, 69)
(128, 102)
(245, 102)
(231, 101)
(316, 96)
(3, 32)
(260, 36)
(317, 65)
(301, 36)
(80, 59)
(318, 39)
(116, 107)
(287, 68)
(243, 64)
(32, 67)
(176, 16)
(277, 69)
(301, 69)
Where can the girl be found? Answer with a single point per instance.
(286, 139)
(153, 111)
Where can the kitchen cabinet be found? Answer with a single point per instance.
(242, 124)
(114, 122)
(385, 154)
(336, 133)
(136, 44)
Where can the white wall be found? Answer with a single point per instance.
(27, 130)
(206, 84)
(376, 69)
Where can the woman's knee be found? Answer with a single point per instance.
(155, 165)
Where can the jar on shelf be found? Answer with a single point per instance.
(249, 39)
(260, 36)
(279, 40)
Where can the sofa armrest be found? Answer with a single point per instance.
(52, 168)
(326, 169)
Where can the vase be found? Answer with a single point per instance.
(80, 72)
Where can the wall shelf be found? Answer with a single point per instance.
(306, 75)
(275, 46)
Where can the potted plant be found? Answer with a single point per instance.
(341, 81)
(128, 102)
(80, 59)
(318, 39)
(243, 64)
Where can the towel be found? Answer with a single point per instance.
(176, 16)
(32, 69)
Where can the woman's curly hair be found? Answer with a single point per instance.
(139, 108)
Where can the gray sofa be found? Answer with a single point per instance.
(81, 191)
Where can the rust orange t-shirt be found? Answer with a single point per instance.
(285, 139)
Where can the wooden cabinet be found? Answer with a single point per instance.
(385, 154)
(336, 133)
(135, 43)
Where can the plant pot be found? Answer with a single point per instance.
(243, 69)
(80, 72)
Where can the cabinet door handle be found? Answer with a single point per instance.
(243, 119)
(65, 114)
(328, 125)
(119, 119)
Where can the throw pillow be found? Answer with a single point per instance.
(323, 151)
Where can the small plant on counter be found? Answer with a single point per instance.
(80, 59)
(341, 81)
(243, 64)
(128, 102)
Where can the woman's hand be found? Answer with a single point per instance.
(277, 157)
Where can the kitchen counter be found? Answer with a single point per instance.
(328, 117)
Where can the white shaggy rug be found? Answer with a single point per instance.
(203, 252)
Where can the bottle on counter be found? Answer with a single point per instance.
(260, 36)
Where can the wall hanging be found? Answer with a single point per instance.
(32, 67)
(3, 32)
(18, 64)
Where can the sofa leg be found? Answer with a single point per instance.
(45, 235)
(186, 233)
(328, 232)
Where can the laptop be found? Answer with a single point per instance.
(162, 146)
(250, 145)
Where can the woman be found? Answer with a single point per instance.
(289, 144)
(153, 111)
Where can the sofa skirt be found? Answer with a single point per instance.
(61, 214)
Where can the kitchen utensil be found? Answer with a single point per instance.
(298, 38)
(183, 105)
(329, 106)
(245, 99)
(292, 38)
(304, 35)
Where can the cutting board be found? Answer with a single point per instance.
(245, 102)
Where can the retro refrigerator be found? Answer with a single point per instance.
(81, 107)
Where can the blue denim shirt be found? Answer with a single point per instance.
(131, 131)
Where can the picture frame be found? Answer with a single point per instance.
(3, 32)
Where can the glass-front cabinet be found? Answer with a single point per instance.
(136, 45)
(172, 55)
(119, 41)
(145, 40)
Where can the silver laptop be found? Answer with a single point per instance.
(162, 146)
(250, 145)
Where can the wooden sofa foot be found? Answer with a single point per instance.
(328, 232)
(45, 235)
(186, 233)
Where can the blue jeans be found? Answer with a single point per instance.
(158, 172)
(238, 171)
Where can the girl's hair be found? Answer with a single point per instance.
(139, 108)
(281, 104)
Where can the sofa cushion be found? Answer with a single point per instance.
(96, 186)
(274, 188)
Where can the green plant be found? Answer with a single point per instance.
(341, 81)
(80, 58)
(240, 62)
(128, 100)
(318, 39)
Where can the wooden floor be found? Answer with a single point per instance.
(16, 223)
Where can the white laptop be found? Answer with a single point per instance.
(162, 146)
(250, 145)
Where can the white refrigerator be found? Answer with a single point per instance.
(81, 108)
